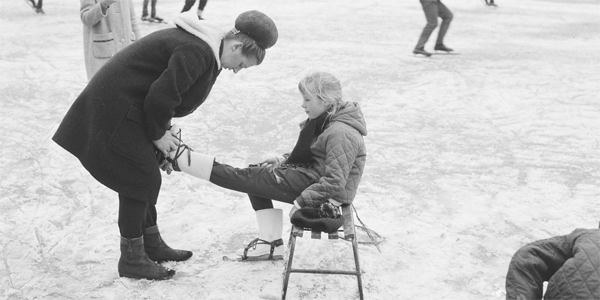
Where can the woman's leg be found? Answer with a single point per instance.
(134, 262)
(132, 217)
(154, 245)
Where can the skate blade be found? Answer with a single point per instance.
(264, 257)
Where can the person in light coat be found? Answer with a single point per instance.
(108, 26)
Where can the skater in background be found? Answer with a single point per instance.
(37, 6)
(153, 17)
(201, 4)
(118, 127)
(109, 26)
(490, 3)
(569, 263)
(433, 10)
(325, 166)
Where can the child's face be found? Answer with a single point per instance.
(313, 106)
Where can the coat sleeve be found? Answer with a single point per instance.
(186, 64)
(135, 28)
(535, 263)
(90, 12)
(341, 149)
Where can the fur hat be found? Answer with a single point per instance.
(259, 27)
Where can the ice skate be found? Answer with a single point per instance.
(421, 51)
(268, 245)
(442, 47)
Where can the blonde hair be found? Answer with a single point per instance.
(325, 87)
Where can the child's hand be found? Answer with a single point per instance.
(271, 162)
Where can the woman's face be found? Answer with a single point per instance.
(313, 106)
(233, 59)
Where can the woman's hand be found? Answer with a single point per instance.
(169, 142)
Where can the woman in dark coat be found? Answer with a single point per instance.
(118, 127)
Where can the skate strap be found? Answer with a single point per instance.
(179, 152)
(256, 241)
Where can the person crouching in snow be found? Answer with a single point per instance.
(118, 127)
(569, 263)
(326, 164)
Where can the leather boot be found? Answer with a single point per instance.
(134, 262)
(158, 250)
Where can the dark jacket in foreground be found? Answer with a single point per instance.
(130, 102)
(570, 263)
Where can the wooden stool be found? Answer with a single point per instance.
(348, 234)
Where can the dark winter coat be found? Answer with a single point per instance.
(570, 263)
(130, 102)
(338, 158)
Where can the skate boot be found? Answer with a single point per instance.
(442, 47)
(421, 51)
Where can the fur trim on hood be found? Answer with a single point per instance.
(206, 31)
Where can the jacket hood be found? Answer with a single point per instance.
(351, 114)
(206, 31)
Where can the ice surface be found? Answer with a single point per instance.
(470, 156)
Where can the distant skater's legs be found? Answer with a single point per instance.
(201, 6)
(145, 10)
(153, 10)
(446, 16)
(38, 7)
(188, 5)
(430, 8)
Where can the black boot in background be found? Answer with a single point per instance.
(134, 262)
(158, 250)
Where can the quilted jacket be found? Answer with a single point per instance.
(570, 263)
(339, 156)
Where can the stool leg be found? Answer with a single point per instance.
(356, 261)
(288, 268)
